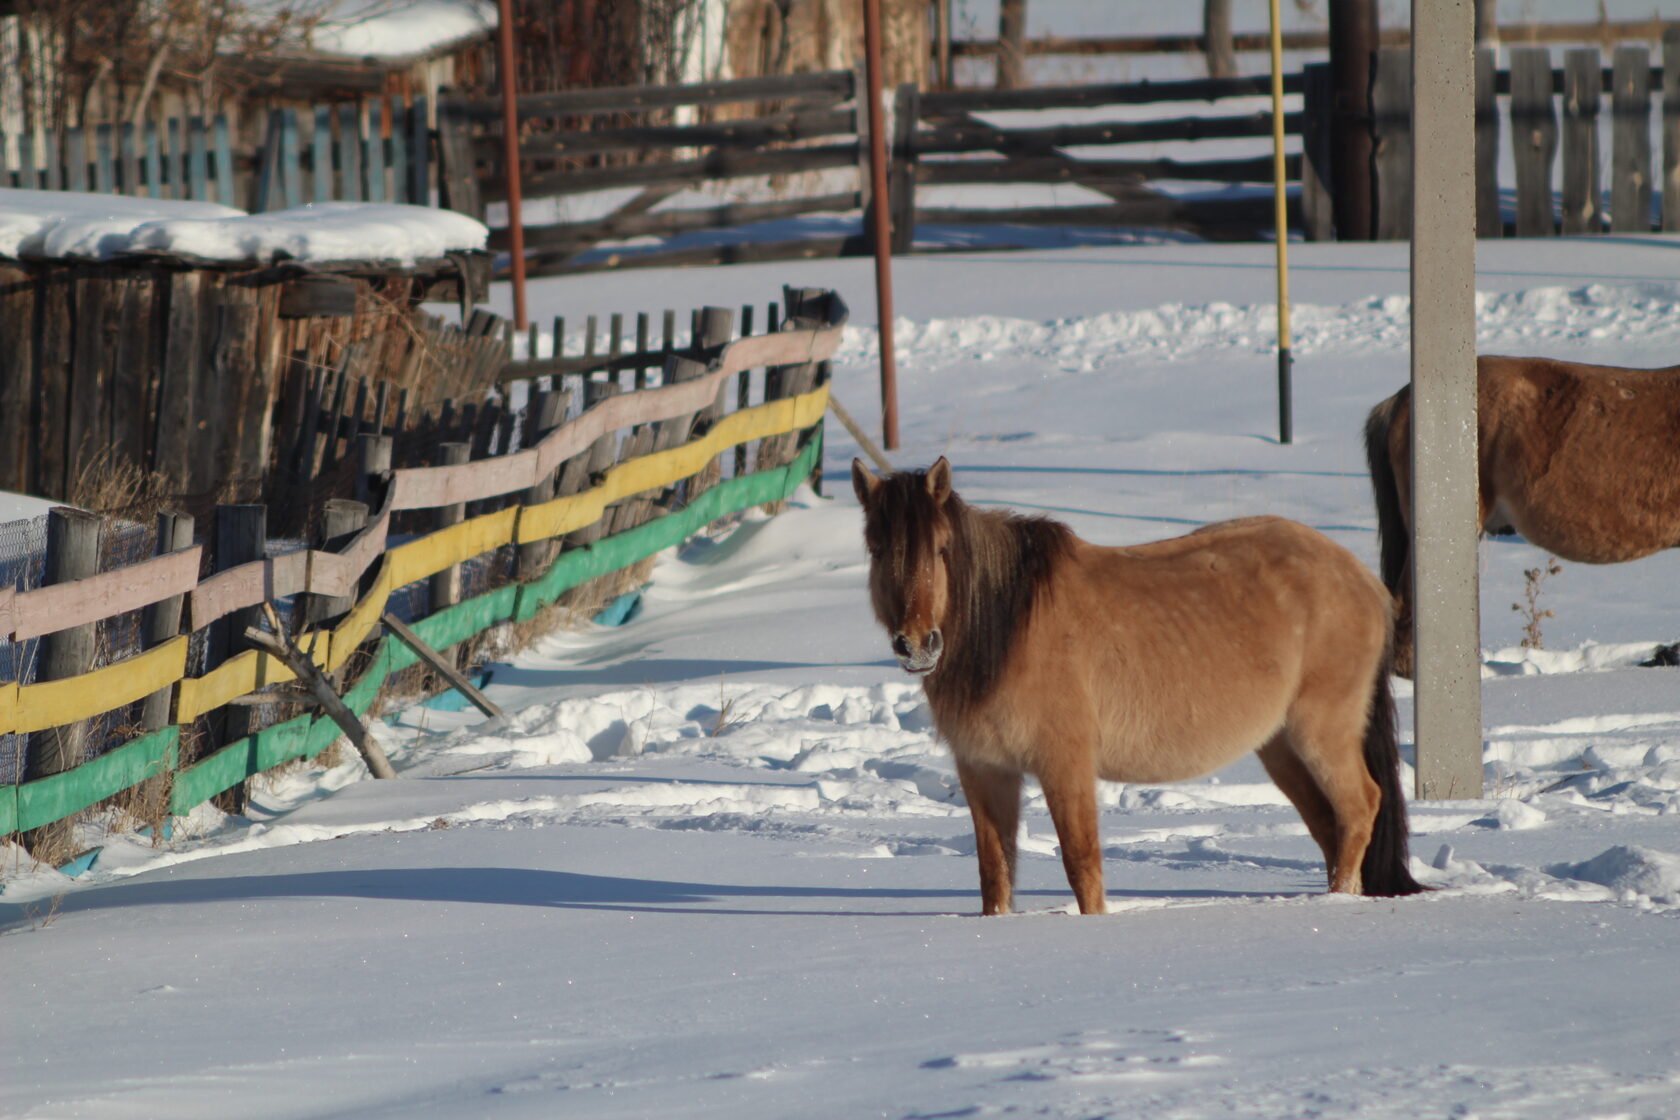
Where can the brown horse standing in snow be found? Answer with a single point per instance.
(1044, 654)
(1583, 461)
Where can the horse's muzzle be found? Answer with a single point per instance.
(922, 658)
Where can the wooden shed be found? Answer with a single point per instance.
(169, 364)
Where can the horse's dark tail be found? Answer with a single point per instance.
(1385, 871)
(1392, 538)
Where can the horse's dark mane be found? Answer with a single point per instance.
(998, 563)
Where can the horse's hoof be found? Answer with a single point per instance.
(1663, 657)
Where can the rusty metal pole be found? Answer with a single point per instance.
(881, 220)
(510, 157)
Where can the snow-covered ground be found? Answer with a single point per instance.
(717, 864)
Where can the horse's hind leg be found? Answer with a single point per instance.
(1327, 739)
(994, 801)
(1291, 776)
(1070, 791)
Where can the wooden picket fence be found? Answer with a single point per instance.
(558, 515)
(1553, 125)
(371, 150)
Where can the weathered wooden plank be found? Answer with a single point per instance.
(829, 85)
(752, 132)
(78, 602)
(223, 154)
(133, 366)
(198, 159)
(713, 166)
(349, 154)
(1533, 139)
(1391, 124)
(320, 155)
(419, 154)
(17, 376)
(178, 422)
(373, 151)
(457, 174)
(1630, 141)
(1489, 221)
(93, 340)
(55, 331)
(1671, 129)
(1581, 206)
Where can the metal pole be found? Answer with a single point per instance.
(1448, 698)
(1280, 197)
(881, 220)
(510, 157)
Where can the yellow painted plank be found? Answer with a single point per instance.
(361, 620)
(55, 703)
(436, 551)
(8, 707)
(242, 673)
(563, 515)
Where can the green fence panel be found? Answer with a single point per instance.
(624, 549)
(46, 800)
(237, 761)
(460, 622)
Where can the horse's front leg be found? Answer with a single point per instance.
(1069, 782)
(994, 801)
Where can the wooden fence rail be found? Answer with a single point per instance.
(682, 470)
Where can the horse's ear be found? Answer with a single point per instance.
(864, 484)
(939, 481)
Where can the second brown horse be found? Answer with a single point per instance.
(1047, 655)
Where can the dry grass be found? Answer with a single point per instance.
(1533, 615)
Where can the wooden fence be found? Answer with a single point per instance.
(372, 150)
(555, 517)
(628, 138)
(938, 134)
(184, 368)
(1554, 128)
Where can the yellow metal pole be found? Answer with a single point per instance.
(1280, 196)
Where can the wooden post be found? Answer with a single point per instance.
(1012, 44)
(161, 621)
(1317, 212)
(1533, 139)
(1448, 698)
(72, 554)
(1489, 222)
(547, 412)
(374, 455)
(1391, 124)
(906, 108)
(446, 585)
(1630, 141)
(1671, 129)
(717, 326)
(241, 537)
(341, 518)
(1353, 41)
(1581, 89)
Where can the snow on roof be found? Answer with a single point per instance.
(396, 28)
(101, 226)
